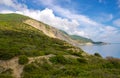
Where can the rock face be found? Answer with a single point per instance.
(51, 31)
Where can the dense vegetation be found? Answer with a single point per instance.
(66, 61)
(17, 38)
(61, 67)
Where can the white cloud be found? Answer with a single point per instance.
(118, 2)
(111, 34)
(7, 2)
(116, 22)
(13, 4)
(67, 13)
(6, 11)
(103, 17)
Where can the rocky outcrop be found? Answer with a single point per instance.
(50, 31)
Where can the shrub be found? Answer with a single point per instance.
(76, 54)
(82, 60)
(46, 66)
(71, 61)
(5, 76)
(33, 76)
(23, 60)
(113, 62)
(97, 54)
(7, 71)
(62, 60)
(71, 72)
(8, 54)
(29, 68)
(58, 59)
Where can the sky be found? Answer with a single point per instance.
(98, 20)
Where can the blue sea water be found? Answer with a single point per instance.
(105, 50)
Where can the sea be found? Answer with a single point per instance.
(112, 50)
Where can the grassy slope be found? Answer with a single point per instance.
(17, 38)
(80, 39)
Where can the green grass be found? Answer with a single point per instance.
(91, 68)
(12, 17)
(17, 38)
(5, 76)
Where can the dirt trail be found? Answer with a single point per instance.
(13, 64)
(18, 69)
(32, 59)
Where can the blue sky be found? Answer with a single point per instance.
(95, 19)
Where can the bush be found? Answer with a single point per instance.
(82, 60)
(5, 76)
(97, 54)
(76, 54)
(7, 71)
(46, 66)
(30, 68)
(8, 54)
(72, 72)
(112, 62)
(58, 59)
(71, 61)
(23, 60)
(33, 76)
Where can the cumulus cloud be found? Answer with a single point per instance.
(116, 22)
(66, 12)
(13, 4)
(103, 17)
(70, 22)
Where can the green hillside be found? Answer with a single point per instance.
(45, 57)
(80, 39)
(18, 38)
(77, 38)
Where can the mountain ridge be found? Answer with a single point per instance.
(54, 32)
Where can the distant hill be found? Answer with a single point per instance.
(77, 38)
(80, 39)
